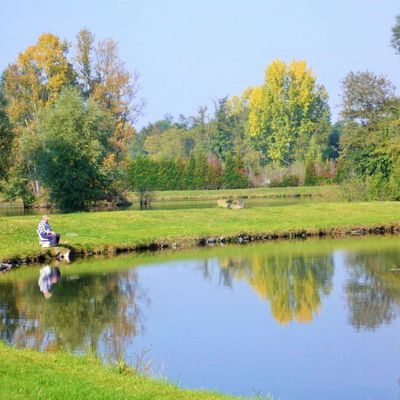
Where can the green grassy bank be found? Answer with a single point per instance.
(105, 231)
(28, 374)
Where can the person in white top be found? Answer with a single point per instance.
(46, 232)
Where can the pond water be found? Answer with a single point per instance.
(298, 320)
(8, 211)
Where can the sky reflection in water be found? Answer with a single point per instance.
(298, 320)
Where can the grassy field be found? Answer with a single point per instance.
(254, 193)
(26, 374)
(106, 230)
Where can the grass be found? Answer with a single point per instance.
(253, 193)
(118, 229)
(29, 374)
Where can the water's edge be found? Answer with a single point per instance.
(68, 252)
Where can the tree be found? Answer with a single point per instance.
(116, 90)
(234, 174)
(143, 178)
(190, 173)
(333, 148)
(32, 82)
(396, 35)
(221, 135)
(72, 144)
(84, 60)
(37, 77)
(310, 178)
(6, 137)
(364, 96)
(287, 110)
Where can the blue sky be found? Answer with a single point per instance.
(189, 52)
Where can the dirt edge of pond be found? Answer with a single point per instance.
(67, 252)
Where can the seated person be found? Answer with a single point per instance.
(46, 232)
(47, 278)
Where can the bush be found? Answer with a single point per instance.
(354, 189)
(310, 178)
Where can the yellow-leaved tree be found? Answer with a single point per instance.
(287, 111)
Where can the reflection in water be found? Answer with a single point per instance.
(84, 311)
(373, 288)
(203, 335)
(48, 277)
(293, 284)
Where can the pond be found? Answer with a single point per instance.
(298, 320)
(8, 211)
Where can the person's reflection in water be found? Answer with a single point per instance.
(47, 278)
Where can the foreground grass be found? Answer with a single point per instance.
(27, 374)
(105, 230)
(252, 193)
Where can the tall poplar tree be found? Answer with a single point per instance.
(287, 110)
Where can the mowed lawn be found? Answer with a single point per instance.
(28, 374)
(94, 231)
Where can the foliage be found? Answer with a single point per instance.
(370, 138)
(35, 79)
(198, 172)
(310, 178)
(396, 35)
(287, 181)
(32, 85)
(222, 137)
(234, 173)
(332, 150)
(115, 90)
(72, 145)
(6, 137)
(364, 96)
(287, 111)
(84, 60)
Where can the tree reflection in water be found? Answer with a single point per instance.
(293, 284)
(373, 288)
(83, 312)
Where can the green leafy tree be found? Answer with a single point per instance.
(310, 178)
(396, 35)
(333, 149)
(201, 172)
(364, 96)
(143, 178)
(84, 60)
(190, 173)
(221, 136)
(6, 137)
(72, 145)
(234, 174)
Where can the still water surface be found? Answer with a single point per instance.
(299, 320)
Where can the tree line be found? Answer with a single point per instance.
(67, 131)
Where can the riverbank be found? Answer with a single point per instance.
(248, 193)
(59, 375)
(122, 231)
